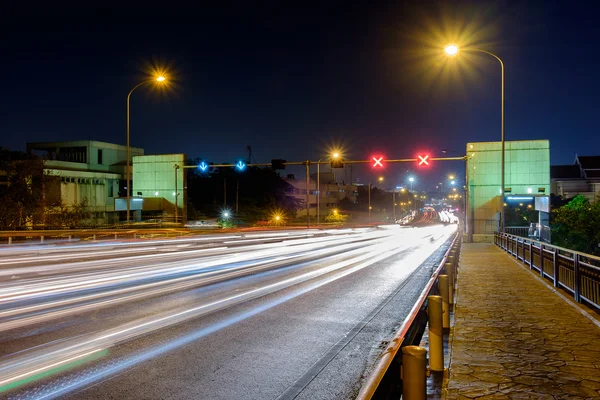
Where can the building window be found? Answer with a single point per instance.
(110, 187)
(100, 156)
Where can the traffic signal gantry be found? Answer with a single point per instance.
(377, 161)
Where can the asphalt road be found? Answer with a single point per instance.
(298, 314)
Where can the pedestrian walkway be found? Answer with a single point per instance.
(514, 337)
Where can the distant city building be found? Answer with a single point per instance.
(94, 172)
(580, 178)
(86, 170)
(331, 192)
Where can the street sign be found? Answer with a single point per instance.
(378, 162)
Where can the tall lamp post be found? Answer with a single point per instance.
(411, 180)
(334, 156)
(380, 179)
(127, 172)
(452, 50)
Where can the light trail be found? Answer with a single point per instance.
(251, 270)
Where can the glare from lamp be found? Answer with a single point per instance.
(451, 50)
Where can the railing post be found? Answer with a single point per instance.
(10, 240)
(576, 288)
(443, 286)
(436, 335)
(555, 267)
(541, 260)
(414, 373)
(530, 254)
(41, 239)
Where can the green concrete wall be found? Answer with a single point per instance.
(154, 176)
(527, 169)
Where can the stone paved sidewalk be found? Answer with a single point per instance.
(515, 338)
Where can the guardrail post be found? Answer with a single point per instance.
(450, 272)
(10, 240)
(70, 236)
(443, 286)
(94, 237)
(115, 236)
(436, 335)
(555, 265)
(41, 239)
(576, 288)
(414, 373)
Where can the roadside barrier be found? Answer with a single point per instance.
(575, 272)
(402, 368)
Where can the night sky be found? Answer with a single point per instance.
(295, 79)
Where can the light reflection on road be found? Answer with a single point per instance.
(35, 292)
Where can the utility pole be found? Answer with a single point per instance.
(176, 193)
(369, 202)
(394, 204)
(307, 163)
(237, 195)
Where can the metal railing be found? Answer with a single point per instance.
(517, 230)
(575, 272)
(384, 380)
(46, 236)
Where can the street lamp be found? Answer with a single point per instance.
(335, 156)
(380, 179)
(411, 179)
(160, 79)
(452, 50)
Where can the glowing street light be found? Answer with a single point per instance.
(451, 50)
(159, 79)
(411, 180)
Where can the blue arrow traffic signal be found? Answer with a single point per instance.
(240, 165)
(203, 166)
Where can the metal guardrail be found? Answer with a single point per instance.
(384, 380)
(43, 236)
(517, 230)
(577, 273)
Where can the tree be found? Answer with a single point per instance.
(575, 225)
(259, 190)
(67, 216)
(22, 191)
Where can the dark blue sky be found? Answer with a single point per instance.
(292, 80)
